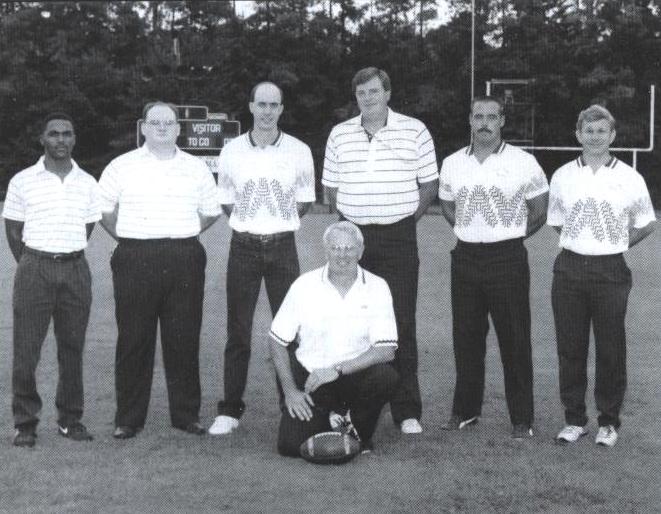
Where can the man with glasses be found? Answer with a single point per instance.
(266, 184)
(343, 318)
(156, 200)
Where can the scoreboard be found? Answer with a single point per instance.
(209, 133)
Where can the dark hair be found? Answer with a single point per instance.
(485, 99)
(253, 91)
(55, 116)
(367, 74)
(148, 107)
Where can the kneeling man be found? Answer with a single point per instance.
(343, 319)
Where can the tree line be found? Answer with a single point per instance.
(101, 61)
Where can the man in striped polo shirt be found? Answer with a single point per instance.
(494, 195)
(380, 172)
(49, 212)
(266, 184)
(156, 200)
(601, 208)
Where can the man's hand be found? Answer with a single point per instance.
(320, 377)
(298, 404)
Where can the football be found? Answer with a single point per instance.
(330, 448)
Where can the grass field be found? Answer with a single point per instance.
(482, 470)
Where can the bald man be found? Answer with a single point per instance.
(266, 184)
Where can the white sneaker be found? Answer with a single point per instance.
(607, 436)
(570, 434)
(223, 425)
(411, 426)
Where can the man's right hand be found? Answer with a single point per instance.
(298, 404)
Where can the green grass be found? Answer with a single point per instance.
(481, 470)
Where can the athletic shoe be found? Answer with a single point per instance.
(411, 426)
(125, 432)
(521, 432)
(223, 425)
(342, 424)
(366, 447)
(570, 434)
(25, 437)
(75, 431)
(456, 423)
(607, 436)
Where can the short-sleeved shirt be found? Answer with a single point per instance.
(377, 181)
(490, 197)
(595, 209)
(331, 328)
(54, 211)
(264, 184)
(158, 198)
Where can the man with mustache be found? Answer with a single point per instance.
(266, 185)
(50, 212)
(494, 195)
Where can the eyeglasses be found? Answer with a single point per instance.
(160, 123)
(345, 249)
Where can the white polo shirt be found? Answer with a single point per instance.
(54, 211)
(490, 197)
(377, 180)
(158, 198)
(333, 329)
(264, 184)
(595, 209)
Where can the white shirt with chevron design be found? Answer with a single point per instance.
(264, 184)
(490, 197)
(595, 209)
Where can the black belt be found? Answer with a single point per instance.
(498, 245)
(54, 256)
(157, 241)
(263, 238)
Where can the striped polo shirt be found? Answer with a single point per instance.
(490, 196)
(596, 208)
(54, 211)
(158, 198)
(377, 181)
(264, 184)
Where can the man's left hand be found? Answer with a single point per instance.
(320, 377)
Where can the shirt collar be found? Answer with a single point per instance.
(390, 118)
(277, 141)
(41, 166)
(499, 150)
(324, 275)
(146, 152)
(610, 164)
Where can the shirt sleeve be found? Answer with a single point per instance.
(14, 208)
(209, 197)
(445, 184)
(383, 327)
(226, 189)
(94, 203)
(641, 212)
(305, 176)
(427, 167)
(286, 322)
(109, 188)
(555, 215)
(538, 183)
(331, 174)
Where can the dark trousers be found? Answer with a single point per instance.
(591, 289)
(492, 279)
(391, 252)
(158, 281)
(364, 393)
(251, 259)
(43, 289)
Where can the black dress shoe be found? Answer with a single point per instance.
(125, 432)
(25, 437)
(194, 428)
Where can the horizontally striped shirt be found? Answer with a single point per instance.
(158, 198)
(54, 211)
(490, 196)
(332, 328)
(265, 184)
(596, 208)
(377, 181)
